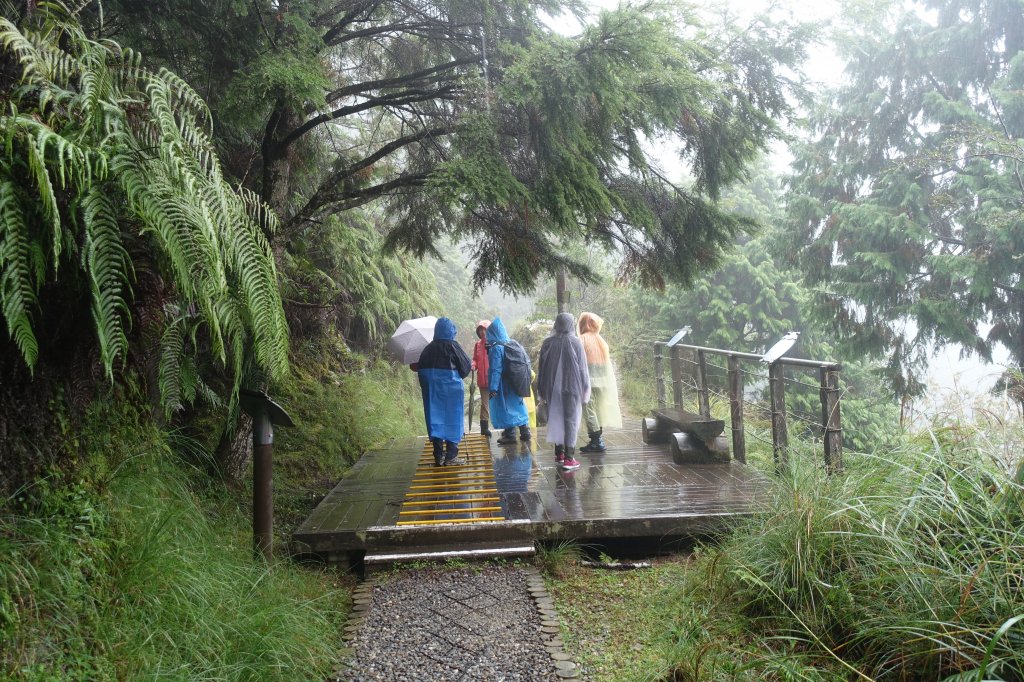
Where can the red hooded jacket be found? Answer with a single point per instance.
(480, 363)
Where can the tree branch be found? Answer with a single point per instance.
(407, 79)
(395, 99)
(351, 198)
(365, 8)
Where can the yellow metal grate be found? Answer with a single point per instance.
(462, 494)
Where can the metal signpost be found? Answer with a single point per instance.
(265, 415)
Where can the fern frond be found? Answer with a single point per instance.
(172, 351)
(108, 266)
(187, 98)
(17, 281)
(12, 40)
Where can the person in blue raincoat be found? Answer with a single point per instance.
(441, 368)
(508, 410)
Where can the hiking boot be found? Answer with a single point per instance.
(454, 462)
(507, 437)
(524, 433)
(596, 443)
(484, 430)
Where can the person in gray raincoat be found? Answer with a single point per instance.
(508, 410)
(563, 382)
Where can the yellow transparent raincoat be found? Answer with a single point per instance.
(603, 409)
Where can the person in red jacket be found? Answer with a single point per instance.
(480, 364)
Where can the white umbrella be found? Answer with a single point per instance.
(411, 337)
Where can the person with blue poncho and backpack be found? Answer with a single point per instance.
(441, 368)
(508, 378)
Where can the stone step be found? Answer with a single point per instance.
(387, 556)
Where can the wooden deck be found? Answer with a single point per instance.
(514, 494)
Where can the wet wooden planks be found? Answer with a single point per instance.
(632, 489)
(466, 493)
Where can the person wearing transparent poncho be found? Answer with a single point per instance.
(603, 407)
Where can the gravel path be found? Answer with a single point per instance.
(483, 622)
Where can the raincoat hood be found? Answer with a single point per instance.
(444, 329)
(563, 324)
(496, 332)
(590, 334)
(590, 323)
(483, 323)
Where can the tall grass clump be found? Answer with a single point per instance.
(131, 573)
(908, 566)
(342, 403)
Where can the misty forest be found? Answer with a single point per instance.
(201, 198)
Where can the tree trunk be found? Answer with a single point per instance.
(560, 297)
(234, 452)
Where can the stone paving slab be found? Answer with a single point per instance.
(465, 624)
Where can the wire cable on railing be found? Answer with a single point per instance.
(767, 411)
(692, 386)
(787, 380)
(816, 387)
(760, 438)
(817, 425)
(691, 382)
(725, 369)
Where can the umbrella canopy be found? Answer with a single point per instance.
(411, 337)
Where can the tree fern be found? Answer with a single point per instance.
(101, 150)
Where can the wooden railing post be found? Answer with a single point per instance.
(739, 443)
(677, 378)
(830, 418)
(659, 375)
(704, 404)
(780, 437)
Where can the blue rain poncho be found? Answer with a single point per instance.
(441, 369)
(507, 407)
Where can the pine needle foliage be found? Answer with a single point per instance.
(100, 152)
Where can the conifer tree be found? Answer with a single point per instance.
(475, 121)
(907, 201)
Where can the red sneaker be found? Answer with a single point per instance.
(569, 463)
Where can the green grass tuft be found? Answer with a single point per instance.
(132, 573)
(909, 566)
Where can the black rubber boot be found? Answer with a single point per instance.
(438, 451)
(507, 437)
(451, 458)
(524, 433)
(484, 430)
(596, 443)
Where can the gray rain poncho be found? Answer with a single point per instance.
(563, 381)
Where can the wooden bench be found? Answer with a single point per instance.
(693, 438)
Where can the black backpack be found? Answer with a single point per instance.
(516, 369)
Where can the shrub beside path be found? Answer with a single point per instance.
(479, 622)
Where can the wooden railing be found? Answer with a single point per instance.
(830, 427)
